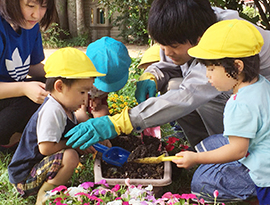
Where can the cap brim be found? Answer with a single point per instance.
(200, 53)
(79, 75)
(105, 86)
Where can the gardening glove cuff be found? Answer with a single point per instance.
(91, 132)
(122, 122)
(146, 87)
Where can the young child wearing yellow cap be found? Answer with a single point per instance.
(230, 50)
(150, 56)
(42, 159)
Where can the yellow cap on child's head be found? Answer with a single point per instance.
(70, 63)
(151, 55)
(228, 39)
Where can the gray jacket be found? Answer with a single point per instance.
(194, 89)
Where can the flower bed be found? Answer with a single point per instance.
(99, 193)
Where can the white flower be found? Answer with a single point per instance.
(149, 187)
(134, 202)
(116, 202)
(74, 190)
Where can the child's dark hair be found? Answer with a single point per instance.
(10, 10)
(50, 82)
(251, 68)
(179, 21)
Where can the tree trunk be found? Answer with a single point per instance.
(81, 28)
(61, 8)
(72, 22)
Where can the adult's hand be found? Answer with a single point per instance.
(146, 87)
(95, 130)
(35, 91)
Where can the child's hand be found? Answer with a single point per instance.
(188, 160)
(81, 114)
(95, 104)
(89, 150)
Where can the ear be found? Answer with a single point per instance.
(58, 85)
(198, 40)
(239, 64)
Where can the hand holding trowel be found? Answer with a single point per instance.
(155, 160)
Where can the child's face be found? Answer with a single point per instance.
(76, 95)
(32, 12)
(218, 78)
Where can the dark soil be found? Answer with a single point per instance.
(147, 146)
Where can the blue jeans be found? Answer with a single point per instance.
(231, 179)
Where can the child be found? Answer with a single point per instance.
(150, 56)
(21, 53)
(110, 57)
(230, 50)
(42, 159)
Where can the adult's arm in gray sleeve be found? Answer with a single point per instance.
(174, 104)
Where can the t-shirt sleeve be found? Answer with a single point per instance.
(37, 54)
(239, 120)
(50, 124)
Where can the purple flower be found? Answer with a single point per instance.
(103, 181)
(86, 185)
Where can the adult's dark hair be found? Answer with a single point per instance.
(251, 68)
(10, 10)
(50, 82)
(179, 21)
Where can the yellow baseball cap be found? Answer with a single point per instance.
(228, 38)
(70, 63)
(151, 55)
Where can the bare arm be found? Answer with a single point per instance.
(37, 70)
(235, 150)
(49, 148)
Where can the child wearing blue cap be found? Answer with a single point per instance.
(230, 50)
(111, 58)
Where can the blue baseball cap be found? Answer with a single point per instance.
(111, 57)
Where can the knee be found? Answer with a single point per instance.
(70, 158)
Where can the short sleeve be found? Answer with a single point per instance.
(51, 123)
(239, 120)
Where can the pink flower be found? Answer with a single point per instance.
(116, 188)
(57, 199)
(167, 195)
(201, 201)
(86, 185)
(81, 193)
(215, 193)
(59, 188)
(125, 203)
(59, 203)
(188, 196)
